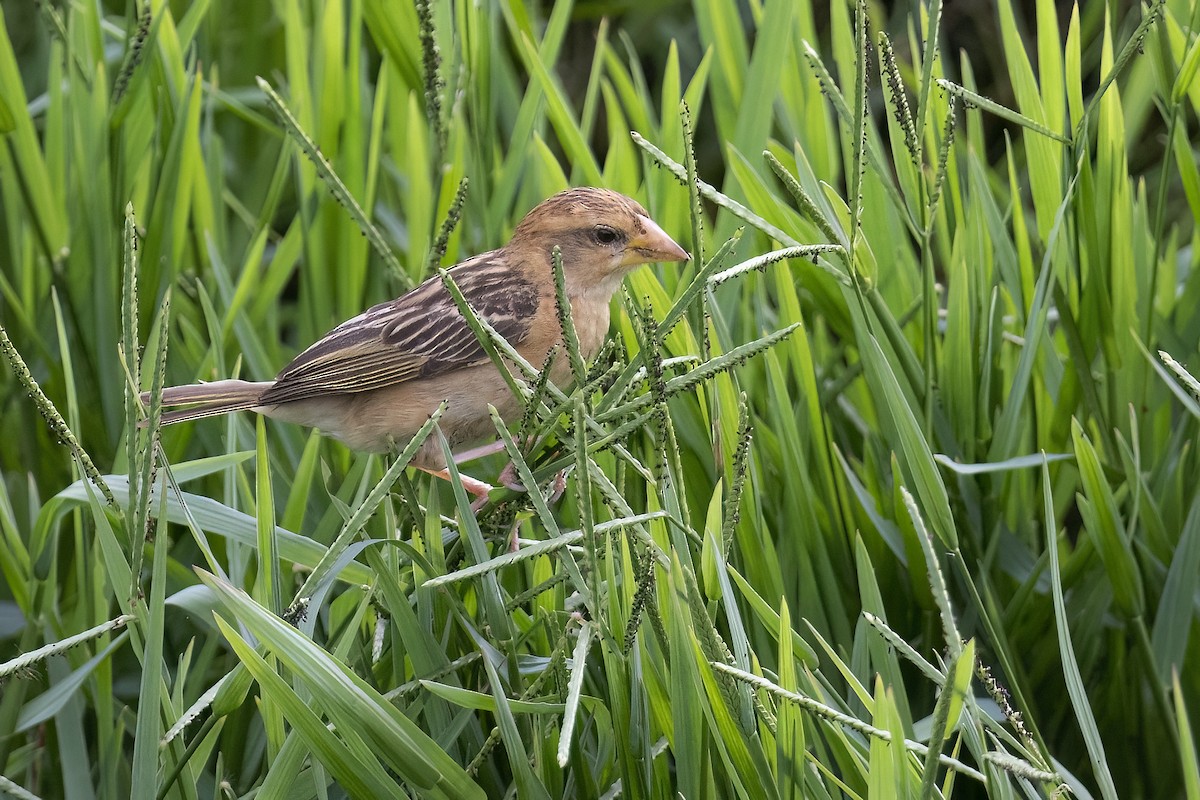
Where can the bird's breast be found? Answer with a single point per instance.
(590, 318)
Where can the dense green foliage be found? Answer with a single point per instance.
(889, 492)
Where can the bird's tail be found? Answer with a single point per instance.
(209, 399)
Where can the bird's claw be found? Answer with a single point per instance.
(557, 486)
(510, 480)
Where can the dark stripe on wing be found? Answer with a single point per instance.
(421, 334)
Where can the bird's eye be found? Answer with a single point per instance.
(605, 235)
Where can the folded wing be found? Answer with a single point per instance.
(421, 334)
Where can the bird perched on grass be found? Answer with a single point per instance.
(374, 380)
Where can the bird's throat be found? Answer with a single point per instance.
(589, 312)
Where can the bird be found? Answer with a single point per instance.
(374, 380)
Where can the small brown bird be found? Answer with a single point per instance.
(374, 380)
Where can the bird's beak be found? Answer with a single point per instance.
(651, 245)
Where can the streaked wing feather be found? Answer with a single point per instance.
(421, 334)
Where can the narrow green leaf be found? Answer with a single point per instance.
(574, 689)
(1187, 745)
(147, 756)
(527, 783)
(1109, 534)
(216, 518)
(1176, 607)
(912, 448)
(1076, 690)
(270, 579)
(486, 702)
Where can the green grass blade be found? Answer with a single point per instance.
(1076, 690)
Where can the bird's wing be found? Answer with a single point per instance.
(419, 335)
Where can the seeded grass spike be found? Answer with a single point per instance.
(759, 263)
(133, 58)
(977, 100)
(130, 344)
(536, 401)
(435, 84)
(1181, 372)
(712, 193)
(681, 383)
(565, 320)
(831, 714)
(942, 166)
(807, 207)
(453, 217)
(643, 595)
(25, 661)
(1133, 46)
(693, 182)
(59, 428)
(740, 468)
(928, 56)
(336, 187)
(859, 168)
(143, 471)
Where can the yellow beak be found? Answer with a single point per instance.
(651, 245)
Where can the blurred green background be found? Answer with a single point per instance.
(860, 512)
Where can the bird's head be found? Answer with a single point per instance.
(602, 235)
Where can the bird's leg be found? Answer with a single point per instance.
(508, 477)
(474, 453)
(472, 485)
(482, 451)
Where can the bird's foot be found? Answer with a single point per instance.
(557, 486)
(509, 479)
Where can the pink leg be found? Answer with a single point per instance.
(472, 485)
(478, 452)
